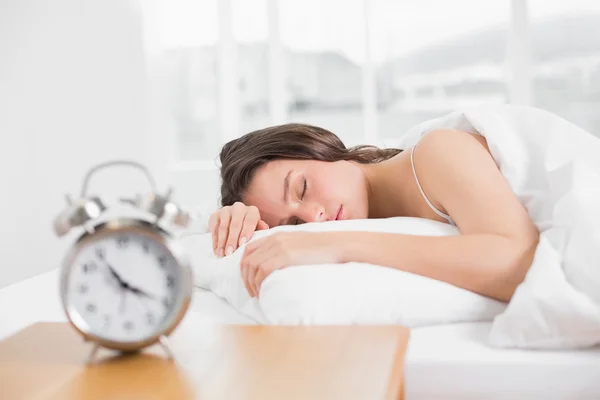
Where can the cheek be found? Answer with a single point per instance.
(350, 189)
(336, 184)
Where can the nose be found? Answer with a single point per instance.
(312, 212)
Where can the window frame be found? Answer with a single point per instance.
(518, 78)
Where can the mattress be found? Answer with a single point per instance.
(454, 362)
(447, 361)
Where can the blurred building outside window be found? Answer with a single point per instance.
(565, 56)
(368, 70)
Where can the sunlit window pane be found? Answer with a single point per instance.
(566, 59)
(188, 34)
(434, 56)
(324, 42)
(251, 31)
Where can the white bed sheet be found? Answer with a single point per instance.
(448, 362)
(455, 362)
(207, 307)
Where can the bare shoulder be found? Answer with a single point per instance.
(460, 174)
(446, 159)
(451, 143)
(446, 155)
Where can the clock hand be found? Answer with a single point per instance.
(122, 283)
(126, 286)
(142, 293)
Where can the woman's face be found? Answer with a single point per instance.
(289, 192)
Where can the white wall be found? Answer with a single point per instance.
(72, 93)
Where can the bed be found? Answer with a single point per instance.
(447, 361)
(454, 362)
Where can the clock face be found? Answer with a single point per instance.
(123, 286)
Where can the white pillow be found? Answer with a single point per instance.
(351, 293)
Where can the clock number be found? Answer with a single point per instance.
(170, 281)
(83, 288)
(145, 247)
(89, 267)
(166, 302)
(122, 242)
(100, 253)
(128, 325)
(162, 261)
(91, 308)
(106, 319)
(150, 318)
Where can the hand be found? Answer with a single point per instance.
(232, 226)
(283, 249)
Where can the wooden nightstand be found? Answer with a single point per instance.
(48, 361)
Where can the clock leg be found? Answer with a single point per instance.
(165, 345)
(93, 353)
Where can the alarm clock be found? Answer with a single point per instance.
(125, 282)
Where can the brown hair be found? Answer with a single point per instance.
(240, 158)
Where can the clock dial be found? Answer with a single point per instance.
(123, 286)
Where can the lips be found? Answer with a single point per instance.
(340, 213)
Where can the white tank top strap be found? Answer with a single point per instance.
(438, 212)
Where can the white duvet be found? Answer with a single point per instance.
(553, 167)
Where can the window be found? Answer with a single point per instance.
(433, 56)
(187, 33)
(565, 47)
(368, 70)
(324, 52)
(250, 27)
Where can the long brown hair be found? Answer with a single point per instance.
(240, 158)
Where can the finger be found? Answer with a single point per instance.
(271, 263)
(213, 223)
(246, 266)
(238, 214)
(262, 261)
(251, 282)
(260, 276)
(249, 226)
(246, 273)
(251, 278)
(214, 217)
(252, 263)
(262, 225)
(223, 231)
(252, 270)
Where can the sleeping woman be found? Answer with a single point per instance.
(295, 173)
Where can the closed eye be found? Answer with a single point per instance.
(304, 187)
(303, 190)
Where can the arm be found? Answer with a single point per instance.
(498, 240)
(488, 264)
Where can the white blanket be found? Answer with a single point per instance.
(553, 167)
